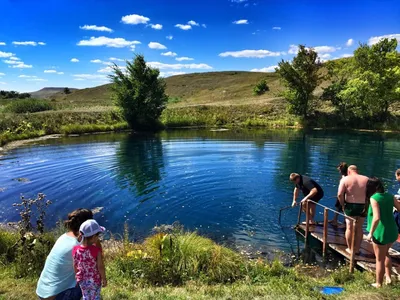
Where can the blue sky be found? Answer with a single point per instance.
(40, 40)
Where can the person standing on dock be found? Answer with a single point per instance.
(382, 228)
(342, 168)
(311, 191)
(352, 194)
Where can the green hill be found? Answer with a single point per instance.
(48, 92)
(212, 88)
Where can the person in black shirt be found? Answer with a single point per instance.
(311, 190)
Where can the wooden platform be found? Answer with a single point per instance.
(337, 242)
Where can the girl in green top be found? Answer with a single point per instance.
(382, 227)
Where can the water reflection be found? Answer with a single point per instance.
(140, 160)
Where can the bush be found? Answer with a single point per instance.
(140, 93)
(27, 106)
(261, 87)
(178, 257)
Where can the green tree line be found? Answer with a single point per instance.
(13, 95)
(363, 87)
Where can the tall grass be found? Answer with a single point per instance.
(20, 106)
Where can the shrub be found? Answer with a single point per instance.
(261, 87)
(27, 106)
(140, 93)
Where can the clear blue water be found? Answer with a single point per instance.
(227, 185)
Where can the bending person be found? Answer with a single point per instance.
(352, 194)
(57, 280)
(311, 191)
(382, 228)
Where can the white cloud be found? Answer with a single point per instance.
(155, 45)
(2, 44)
(89, 76)
(79, 79)
(2, 74)
(27, 76)
(169, 37)
(11, 62)
(50, 71)
(134, 19)
(96, 61)
(14, 58)
(6, 54)
(238, 1)
(108, 42)
(36, 79)
(116, 59)
(276, 28)
(105, 70)
(163, 66)
(193, 23)
(250, 53)
(375, 39)
(96, 28)
(21, 65)
(183, 27)
(28, 43)
(171, 73)
(169, 53)
(349, 42)
(293, 49)
(42, 43)
(184, 58)
(156, 26)
(347, 55)
(2, 82)
(241, 22)
(204, 25)
(60, 73)
(325, 49)
(74, 60)
(266, 69)
(325, 56)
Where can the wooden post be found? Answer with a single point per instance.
(352, 256)
(307, 223)
(299, 214)
(325, 236)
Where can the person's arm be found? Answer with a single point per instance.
(313, 192)
(295, 195)
(101, 268)
(376, 218)
(341, 192)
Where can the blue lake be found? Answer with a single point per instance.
(228, 185)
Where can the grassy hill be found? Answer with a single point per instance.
(47, 92)
(212, 88)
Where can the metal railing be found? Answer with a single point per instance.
(325, 229)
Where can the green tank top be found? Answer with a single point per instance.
(386, 232)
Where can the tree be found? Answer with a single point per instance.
(139, 92)
(67, 91)
(261, 87)
(374, 82)
(301, 77)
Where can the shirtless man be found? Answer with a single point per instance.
(352, 193)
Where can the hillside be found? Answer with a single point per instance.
(47, 92)
(212, 88)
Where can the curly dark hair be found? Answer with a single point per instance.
(76, 218)
(342, 168)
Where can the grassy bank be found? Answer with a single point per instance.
(182, 265)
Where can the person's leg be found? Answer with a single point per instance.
(388, 265)
(349, 231)
(359, 234)
(70, 294)
(380, 256)
(311, 211)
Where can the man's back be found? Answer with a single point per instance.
(355, 188)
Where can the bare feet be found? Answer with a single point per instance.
(349, 252)
(376, 285)
(388, 280)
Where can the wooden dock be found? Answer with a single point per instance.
(336, 241)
